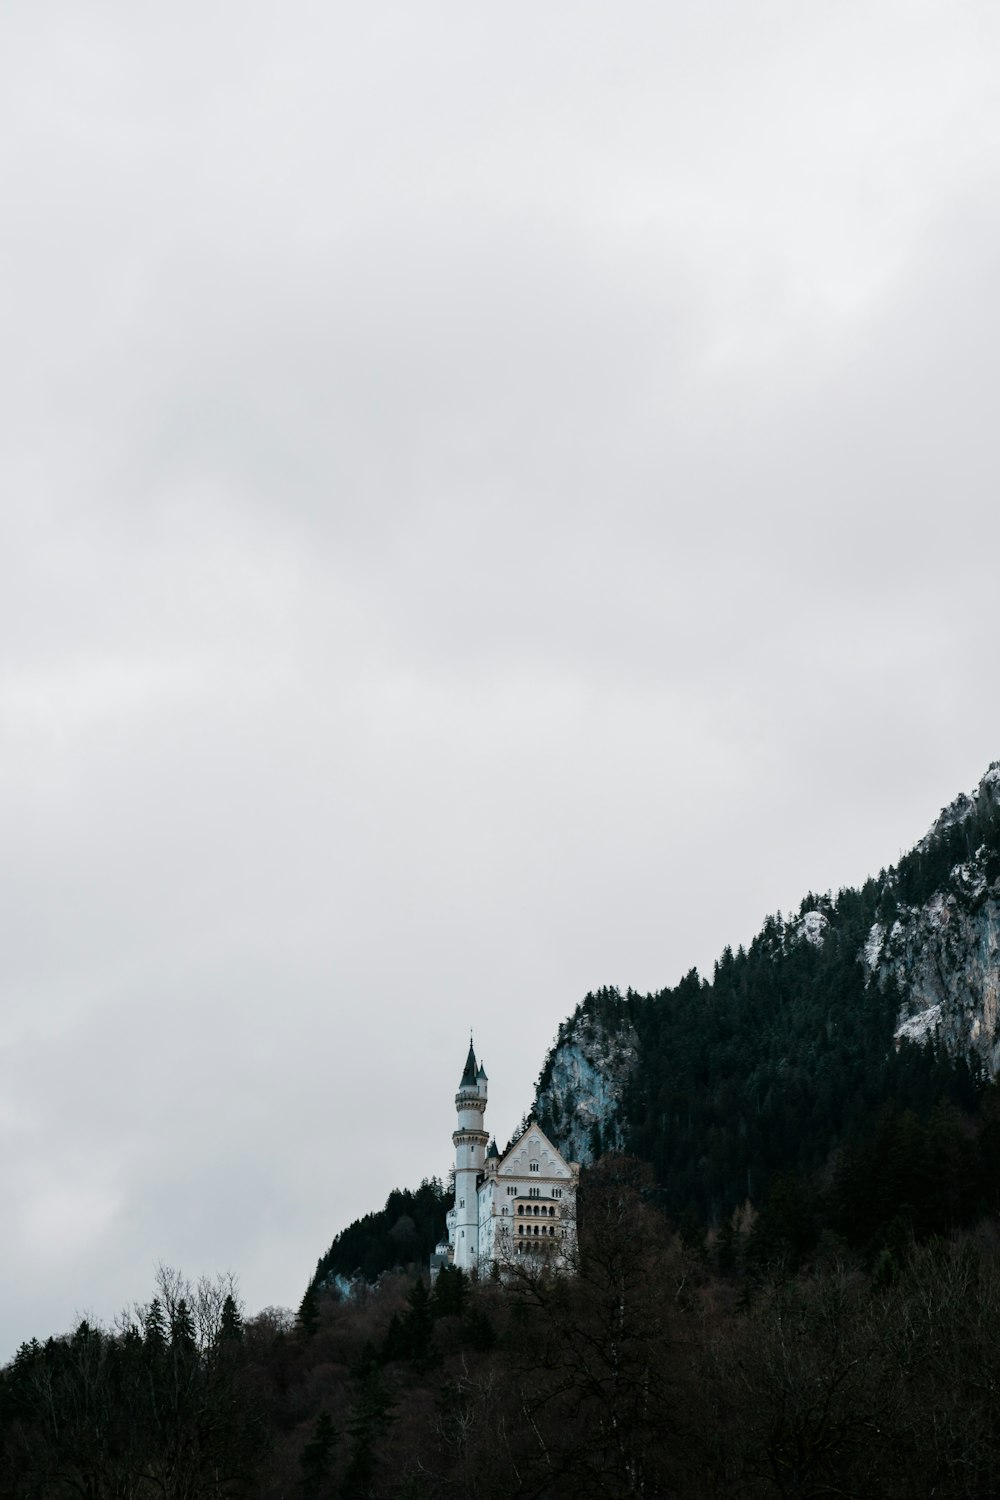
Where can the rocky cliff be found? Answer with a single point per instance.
(943, 952)
(579, 1094)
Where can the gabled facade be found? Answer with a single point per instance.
(519, 1208)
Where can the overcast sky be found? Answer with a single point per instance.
(493, 502)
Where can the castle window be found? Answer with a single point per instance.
(536, 1228)
(533, 1166)
(557, 1192)
(534, 1192)
(552, 1232)
(552, 1213)
(461, 1203)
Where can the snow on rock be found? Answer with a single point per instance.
(811, 926)
(970, 879)
(873, 946)
(937, 912)
(917, 1028)
(963, 806)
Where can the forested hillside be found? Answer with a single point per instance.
(793, 1046)
(783, 1058)
(404, 1232)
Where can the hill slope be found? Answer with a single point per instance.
(888, 992)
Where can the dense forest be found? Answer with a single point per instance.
(784, 1056)
(406, 1230)
(841, 1342)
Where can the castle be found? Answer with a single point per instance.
(521, 1204)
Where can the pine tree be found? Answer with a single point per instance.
(317, 1457)
(182, 1335)
(418, 1322)
(154, 1328)
(308, 1314)
(231, 1323)
(448, 1297)
(370, 1418)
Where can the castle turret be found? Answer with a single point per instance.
(470, 1155)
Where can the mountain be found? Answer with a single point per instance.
(887, 993)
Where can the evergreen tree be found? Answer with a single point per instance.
(371, 1415)
(155, 1329)
(231, 1323)
(450, 1288)
(419, 1322)
(307, 1319)
(316, 1460)
(182, 1334)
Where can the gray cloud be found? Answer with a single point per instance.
(492, 506)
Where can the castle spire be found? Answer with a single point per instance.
(471, 1069)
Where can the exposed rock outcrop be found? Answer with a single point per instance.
(943, 952)
(585, 1074)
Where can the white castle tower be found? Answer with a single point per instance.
(470, 1157)
(519, 1208)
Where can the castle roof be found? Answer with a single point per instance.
(471, 1067)
(492, 1149)
(517, 1145)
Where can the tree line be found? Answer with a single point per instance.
(744, 1362)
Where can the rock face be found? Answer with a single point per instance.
(580, 1090)
(943, 952)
